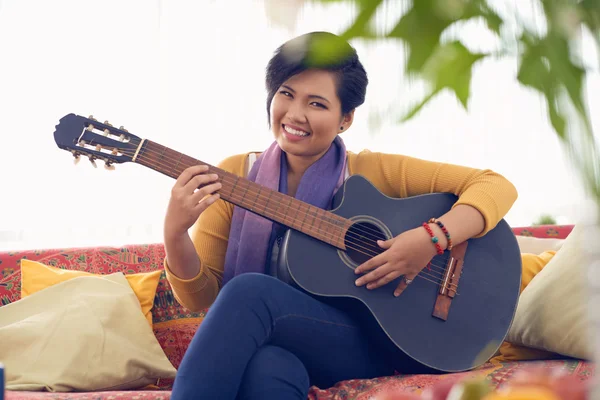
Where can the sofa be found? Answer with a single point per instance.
(174, 326)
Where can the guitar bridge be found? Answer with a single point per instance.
(449, 285)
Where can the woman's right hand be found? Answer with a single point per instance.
(192, 193)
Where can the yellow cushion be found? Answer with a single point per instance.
(532, 264)
(83, 334)
(36, 276)
(553, 310)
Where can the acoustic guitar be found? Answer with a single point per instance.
(452, 317)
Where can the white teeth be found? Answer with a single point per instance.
(294, 131)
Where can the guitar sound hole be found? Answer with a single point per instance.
(361, 241)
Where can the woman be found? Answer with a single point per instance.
(264, 338)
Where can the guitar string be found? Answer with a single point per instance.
(350, 233)
(439, 272)
(131, 152)
(440, 269)
(225, 178)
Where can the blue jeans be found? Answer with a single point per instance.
(264, 339)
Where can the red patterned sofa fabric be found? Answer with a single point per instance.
(361, 389)
(545, 231)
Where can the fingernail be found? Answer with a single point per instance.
(396, 294)
(370, 286)
(357, 282)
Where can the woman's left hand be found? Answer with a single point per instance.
(406, 254)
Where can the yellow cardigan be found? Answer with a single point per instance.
(394, 175)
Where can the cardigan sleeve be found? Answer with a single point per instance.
(400, 176)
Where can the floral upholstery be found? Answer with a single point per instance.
(174, 326)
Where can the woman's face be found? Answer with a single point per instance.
(306, 114)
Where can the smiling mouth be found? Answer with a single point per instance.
(294, 132)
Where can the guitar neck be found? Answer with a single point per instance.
(273, 205)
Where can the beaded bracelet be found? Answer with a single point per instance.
(443, 228)
(434, 238)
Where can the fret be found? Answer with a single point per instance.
(246, 191)
(297, 212)
(320, 223)
(237, 179)
(287, 213)
(257, 196)
(267, 202)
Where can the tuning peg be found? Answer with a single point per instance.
(109, 166)
(122, 138)
(92, 160)
(123, 128)
(107, 123)
(76, 158)
(98, 147)
(92, 118)
(106, 132)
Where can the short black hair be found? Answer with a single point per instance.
(319, 50)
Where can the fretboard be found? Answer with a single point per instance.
(273, 205)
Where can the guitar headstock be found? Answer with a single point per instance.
(96, 140)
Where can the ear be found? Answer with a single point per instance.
(346, 121)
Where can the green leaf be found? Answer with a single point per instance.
(480, 8)
(421, 29)
(415, 109)
(546, 66)
(360, 27)
(591, 14)
(423, 25)
(450, 67)
(534, 71)
(563, 70)
(326, 50)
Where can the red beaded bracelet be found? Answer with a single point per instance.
(434, 238)
(443, 228)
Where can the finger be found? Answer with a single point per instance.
(385, 244)
(374, 275)
(403, 285)
(205, 191)
(189, 173)
(199, 181)
(205, 203)
(385, 280)
(374, 262)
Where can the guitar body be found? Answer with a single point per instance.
(403, 327)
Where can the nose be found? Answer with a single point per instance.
(296, 113)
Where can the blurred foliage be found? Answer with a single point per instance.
(547, 60)
(545, 219)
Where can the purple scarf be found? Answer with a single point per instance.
(250, 234)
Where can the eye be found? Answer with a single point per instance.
(317, 104)
(285, 93)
